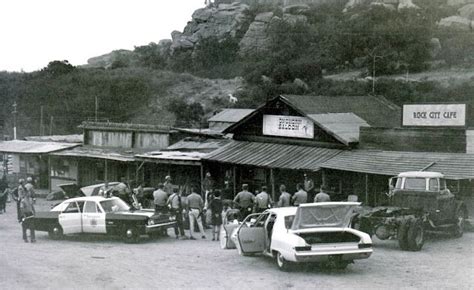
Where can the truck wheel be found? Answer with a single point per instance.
(415, 235)
(56, 232)
(282, 264)
(402, 234)
(130, 235)
(458, 229)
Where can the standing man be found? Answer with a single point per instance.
(176, 208)
(245, 200)
(322, 196)
(263, 200)
(195, 206)
(160, 198)
(168, 185)
(285, 197)
(300, 196)
(30, 188)
(27, 211)
(308, 186)
(206, 189)
(3, 194)
(122, 190)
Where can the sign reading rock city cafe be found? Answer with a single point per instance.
(288, 126)
(434, 115)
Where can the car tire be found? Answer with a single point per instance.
(402, 234)
(460, 219)
(56, 232)
(415, 235)
(342, 265)
(282, 264)
(130, 235)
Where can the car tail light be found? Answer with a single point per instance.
(303, 248)
(151, 222)
(365, 246)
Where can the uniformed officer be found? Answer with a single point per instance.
(176, 208)
(300, 196)
(285, 197)
(245, 200)
(160, 198)
(168, 185)
(263, 200)
(195, 206)
(27, 210)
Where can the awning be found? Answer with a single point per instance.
(173, 157)
(453, 165)
(116, 154)
(271, 155)
(33, 147)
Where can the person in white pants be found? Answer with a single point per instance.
(195, 205)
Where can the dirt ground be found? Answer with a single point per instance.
(106, 262)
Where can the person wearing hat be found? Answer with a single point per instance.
(322, 196)
(27, 209)
(245, 201)
(176, 208)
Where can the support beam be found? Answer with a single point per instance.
(234, 176)
(105, 172)
(272, 181)
(366, 189)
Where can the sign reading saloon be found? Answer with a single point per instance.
(288, 126)
(434, 115)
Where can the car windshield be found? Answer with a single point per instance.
(114, 205)
(415, 183)
(323, 215)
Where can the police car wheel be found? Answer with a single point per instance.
(56, 232)
(130, 235)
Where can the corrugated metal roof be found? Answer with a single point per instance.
(75, 138)
(33, 147)
(230, 115)
(173, 155)
(376, 110)
(191, 144)
(344, 126)
(116, 154)
(272, 155)
(452, 165)
(109, 126)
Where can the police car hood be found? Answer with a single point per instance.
(323, 215)
(142, 212)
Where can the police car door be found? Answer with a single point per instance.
(70, 218)
(251, 234)
(93, 218)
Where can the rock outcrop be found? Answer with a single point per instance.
(388, 4)
(456, 23)
(225, 20)
(106, 60)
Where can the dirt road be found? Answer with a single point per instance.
(105, 262)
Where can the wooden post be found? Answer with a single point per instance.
(272, 181)
(105, 171)
(323, 178)
(49, 173)
(234, 176)
(366, 189)
(203, 193)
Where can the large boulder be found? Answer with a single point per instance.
(406, 4)
(225, 20)
(106, 60)
(256, 37)
(296, 9)
(456, 22)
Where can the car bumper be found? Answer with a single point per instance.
(159, 227)
(327, 255)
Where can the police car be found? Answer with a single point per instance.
(100, 215)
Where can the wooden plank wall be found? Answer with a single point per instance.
(414, 139)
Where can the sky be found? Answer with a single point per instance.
(35, 32)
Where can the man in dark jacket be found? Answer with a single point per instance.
(27, 211)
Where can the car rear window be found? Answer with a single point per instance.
(415, 183)
(289, 221)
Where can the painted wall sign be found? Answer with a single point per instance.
(288, 126)
(434, 115)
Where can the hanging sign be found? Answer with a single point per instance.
(434, 115)
(288, 126)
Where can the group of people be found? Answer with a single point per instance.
(249, 203)
(168, 198)
(25, 197)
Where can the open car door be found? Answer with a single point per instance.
(251, 234)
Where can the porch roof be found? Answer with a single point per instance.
(116, 154)
(33, 147)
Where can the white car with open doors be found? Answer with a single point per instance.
(313, 232)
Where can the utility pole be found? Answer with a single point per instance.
(14, 120)
(41, 122)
